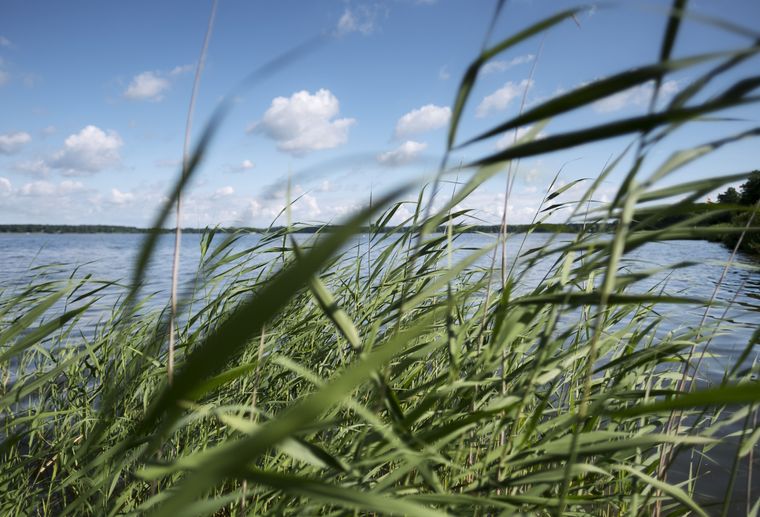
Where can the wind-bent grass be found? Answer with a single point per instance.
(401, 381)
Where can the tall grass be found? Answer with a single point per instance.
(405, 380)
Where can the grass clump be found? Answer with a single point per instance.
(400, 375)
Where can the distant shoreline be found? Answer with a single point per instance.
(99, 228)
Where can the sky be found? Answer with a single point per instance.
(94, 99)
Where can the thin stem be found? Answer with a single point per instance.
(185, 163)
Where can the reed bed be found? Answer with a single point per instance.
(391, 372)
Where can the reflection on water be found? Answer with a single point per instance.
(110, 257)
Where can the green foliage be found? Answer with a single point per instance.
(746, 202)
(730, 196)
(751, 189)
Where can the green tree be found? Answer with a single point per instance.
(751, 189)
(748, 194)
(730, 196)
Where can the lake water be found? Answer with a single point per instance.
(110, 257)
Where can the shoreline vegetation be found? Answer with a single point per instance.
(297, 228)
(397, 376)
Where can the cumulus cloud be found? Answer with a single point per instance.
(423, 119)
(37, 188)
(245, 165)
(49, 130)
(305, 208)
(121, 198)
(181, 69)
(152, 85)
(305, 122)
(35, 167)
(89, 151)
(361, 19)
(403, 154)
(501, 98)
(5, 186)
(71, 201)
(637, 96)
(504, 65)
(13, 142)
(223, 192)
(42, 188)
(147, 86)
(70, 186)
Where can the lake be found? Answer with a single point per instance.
(110, 257)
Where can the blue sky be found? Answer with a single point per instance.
(94, 98)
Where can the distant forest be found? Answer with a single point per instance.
(102, 228)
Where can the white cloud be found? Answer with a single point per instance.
(305, 122)
(325, 186)
(405, 153)
(223, 192)
(504, 65)
(5, 187)
(49, 130)
(152, 85)
(182, 69)
(147, 86)
(361, 19)
(13, 142)
(121, 198)
(89, 151)
(37, 189)
(305, 208)
(243, 166)
(42, 188)
(308, 203)
(423, 119)
(501, 98)
(637, 96)
(509, 138)
(5, 42)
(70, 186)
(347, 22)
(443, 73)
(36, 167)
